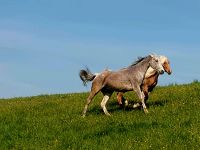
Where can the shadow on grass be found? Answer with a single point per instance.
(157, 103)
(113, 106)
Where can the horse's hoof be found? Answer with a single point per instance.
(126, 103)
(83, 116)
(136, 105)
(146, 111)
(107, 114)
(121, 105)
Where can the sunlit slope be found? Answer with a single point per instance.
(55, 122)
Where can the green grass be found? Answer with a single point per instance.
(55, 122)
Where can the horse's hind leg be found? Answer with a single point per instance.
(89, 100)
(121, 100)
(104, 101)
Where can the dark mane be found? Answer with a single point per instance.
(138, 60)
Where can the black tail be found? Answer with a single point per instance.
(86, 76)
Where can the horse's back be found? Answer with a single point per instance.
(118, 81)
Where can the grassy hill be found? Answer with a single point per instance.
(55, 122)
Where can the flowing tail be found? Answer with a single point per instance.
(86, 76)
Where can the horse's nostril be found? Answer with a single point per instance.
(161, 72)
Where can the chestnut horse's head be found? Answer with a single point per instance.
(166, 64)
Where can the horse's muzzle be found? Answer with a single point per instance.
(161, 71)
(169, 72)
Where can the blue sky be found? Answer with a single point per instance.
(44, 43)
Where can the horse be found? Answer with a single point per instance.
(123, 80)
(149, 83)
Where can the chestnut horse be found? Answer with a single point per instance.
(150, 81)
(127, 79)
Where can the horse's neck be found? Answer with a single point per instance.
(143, 67)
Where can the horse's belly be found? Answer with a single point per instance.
(119, 86)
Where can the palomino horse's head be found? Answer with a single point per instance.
(166, 64)
(156, 64)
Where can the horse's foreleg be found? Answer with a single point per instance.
(104, 101)
(142, 98)
(146, 96)
(144, 105)
(146, 93)
(120, 97)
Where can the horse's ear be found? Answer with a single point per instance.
(152, 55)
